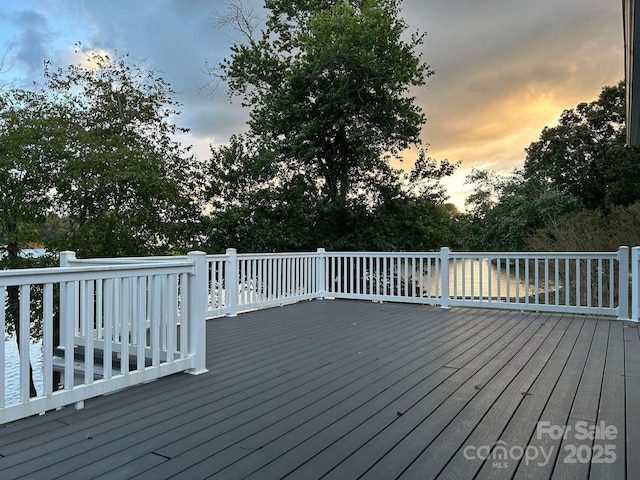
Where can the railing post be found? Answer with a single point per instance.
(320, 273)
(65, 260)
(197, 328)
(231, 282)
(635, 284)
(445, 301)
(623, 300)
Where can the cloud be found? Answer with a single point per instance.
(31, 44)
(494, 92)
(177, 39)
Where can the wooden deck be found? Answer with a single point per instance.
(346, 390)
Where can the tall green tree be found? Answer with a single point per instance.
(585, 156)
(126, 186)
(329, 86)
(96, 146)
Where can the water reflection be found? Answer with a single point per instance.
(12, 368)
(473, 278)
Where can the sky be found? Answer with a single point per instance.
(505, 69)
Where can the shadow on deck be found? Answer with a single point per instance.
(347, 389)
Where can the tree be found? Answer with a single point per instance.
(253, 210)
(96, 146)
(582, 163)
(590, 231)
(250, 209)
(506, 211)
(410, 213)
(328, 84)
(126, 185)
(585, 156)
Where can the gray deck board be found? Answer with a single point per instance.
(515, 413)
(367, 398)
(405, 438)
(299, 410)
(493, 406)
(347, 389)
(585, 406)
(557, 409)
(371, 415)
(632, 390)
(612, 405)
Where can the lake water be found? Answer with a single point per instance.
(12, 385)
(479, 277)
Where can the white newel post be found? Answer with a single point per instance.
(66, 258)
(231, 282)
(66, 312)
(320, 273)
(635, 283)
(623, 302)
(445, 252)
(197, 328)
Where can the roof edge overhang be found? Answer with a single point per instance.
(631, 25)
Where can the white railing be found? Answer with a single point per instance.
(584, 282)
(399, 277)
(103, 327)
(587, 283)
(275, 279)
(129, 320)
(262, 280)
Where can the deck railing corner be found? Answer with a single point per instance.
(66, 258)
(197, 311)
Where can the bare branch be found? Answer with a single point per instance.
(240, 17)
(4, 68)
(215, 72)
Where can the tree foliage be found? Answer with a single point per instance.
(590, 231)
(126, 185)
(585, 156)
(329, 87)
(253, 209)
(506, 211)
(32, 142)
(95, 145)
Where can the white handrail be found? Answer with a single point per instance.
(152, 310)
(132, 323)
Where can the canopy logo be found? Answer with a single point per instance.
(581, 442)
